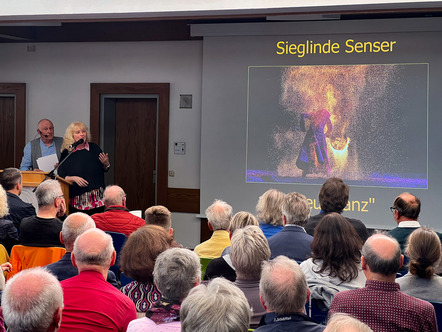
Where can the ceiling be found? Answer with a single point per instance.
(165, 29)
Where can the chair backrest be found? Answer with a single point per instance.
(4, 256)
(204, 262)
(317, 310)
(24, 257)
(438, 308)
(119, 239)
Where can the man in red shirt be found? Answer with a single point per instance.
(116, 217)
(91, 303)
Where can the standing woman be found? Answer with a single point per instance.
(85, 167)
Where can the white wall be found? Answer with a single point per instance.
(58, 77)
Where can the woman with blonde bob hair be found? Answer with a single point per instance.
(269, 213)
(424, 250)
(83, 163)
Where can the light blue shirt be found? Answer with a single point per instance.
(26, 162)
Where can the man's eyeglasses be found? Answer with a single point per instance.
(392, 209)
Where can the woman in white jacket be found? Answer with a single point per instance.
(335, 262)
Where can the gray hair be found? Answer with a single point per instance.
(47, 192)
(10, 177)
(249, 248)
(86, 256)
(242, 219)
(113, 195)
(176, 272)
(74, 225)
(219, 214)
(218, 306)
(30, 300)
(4, 210)
(377, 264)
(283, 286)
(295, 208)
(268, 209)
(340, 322)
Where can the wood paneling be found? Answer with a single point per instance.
(183, 200)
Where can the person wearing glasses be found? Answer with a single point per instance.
(406, 208)
(43, 230)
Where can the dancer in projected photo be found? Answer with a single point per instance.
(313, 152)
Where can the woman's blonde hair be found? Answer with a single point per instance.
(3, 203)
(268, 209)
(69, 134)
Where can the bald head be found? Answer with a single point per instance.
(382, 254)
(114, 195)
(46, 130)
(93, 250)
(407, 207)
(75, 225)
(219, 214)
(32, 301)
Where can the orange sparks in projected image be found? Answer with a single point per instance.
(339, 149)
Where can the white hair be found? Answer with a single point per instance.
(176, 272)
(219, 214)
(220, 306)
(30, 300)
(47, 192)
(340, 322)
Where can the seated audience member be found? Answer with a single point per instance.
(424, 251)
(74, 225)
(116, 217)
(43, 230)
(11, 181)
(91, 303)
(218, 219)
(217, 306)
(380, 304)
(333, 197)
(342, 322)
(33, 301)
(268, 212)
(176, 272)
(222, 266)
(8, 232)
(159, 215)
(249, 250)
(292, 241)
(283, 292)
(335, 263)
(137, 262)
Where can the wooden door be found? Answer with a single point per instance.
(12, 123)
(135, 150)
(7, 110)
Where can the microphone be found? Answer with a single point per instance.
(77, 143)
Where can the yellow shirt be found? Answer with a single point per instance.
(213, 247)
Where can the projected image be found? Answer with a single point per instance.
(364, 123)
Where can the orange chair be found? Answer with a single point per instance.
(24, 257)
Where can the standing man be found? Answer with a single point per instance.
(44, 146)
(11, 181)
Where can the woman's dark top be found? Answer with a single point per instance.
(8, 234)
(85, 164)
